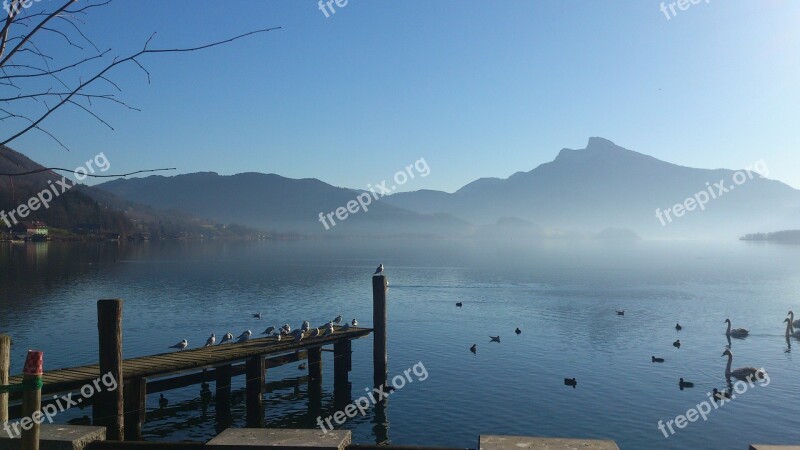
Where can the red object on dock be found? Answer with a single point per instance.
(34, 363)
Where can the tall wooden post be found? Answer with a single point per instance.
(135, 407)
(379, 355)
(31, 401)
(223, 397)
(5, 365)
(108, 407)
(254, 371)
(342, 365)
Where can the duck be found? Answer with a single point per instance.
(735, 332)
(685, 384)
(677, 344)
(163, 402)
(742, 373)
(678, 327)
(494, 338)
(474, 348)
(257, 316)
(518, 331)
(620, 312)
(302, 366)
(721, 395)
(570, 382)
(459, 304)
(657, 360)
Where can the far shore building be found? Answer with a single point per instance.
(32, 231)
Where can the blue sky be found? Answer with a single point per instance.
(477, 88)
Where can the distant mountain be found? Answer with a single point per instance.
(605, 186)
(66, 211)
(275, 203)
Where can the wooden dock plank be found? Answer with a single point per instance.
(164, 364)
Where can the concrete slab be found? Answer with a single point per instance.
(59, 437)
(538, 443)
(264, 438)
(774, 447)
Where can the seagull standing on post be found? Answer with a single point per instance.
(379, 270)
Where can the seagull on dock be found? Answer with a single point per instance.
(379, 270)
(314, 332)
(328, 331)
(494, 338)
(244, 336)
(278, 337)
(181, 345)
(286, 327)
(345, 327)
(298, 335)
(268, 331)
(338, 319)
(306, 325)
(227, 338)
(354, 323)
(211, 340)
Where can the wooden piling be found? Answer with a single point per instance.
(379, 319)
(223, 397)
(31, 401)
(135, 408)
(254, 383)
(5, 365)
(342, 362)
(108, 407)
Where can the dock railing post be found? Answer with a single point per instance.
(108, 407)
(379, 355)
(5, 365)
(135, 395)
(222, 398)
(254, 370)
(31, 401)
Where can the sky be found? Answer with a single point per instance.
(476, 88)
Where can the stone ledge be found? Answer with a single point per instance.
(264, 438)
(59, 437)
(538, 443)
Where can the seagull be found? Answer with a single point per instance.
(338, 319)
(244, 336)
(278, 337)
(286, 327)
(227, 338)
(314, 332)
(306, 325)
(181, 345)
(298, 335)
(378, 270)
(677, 344)
(494, 338)
(345, 327)
(328, 331)
(474, 348)
(518, 331)
(269, 331)
(354, 323)
(257, 315)
(211, 340)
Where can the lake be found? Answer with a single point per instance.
(561, 294)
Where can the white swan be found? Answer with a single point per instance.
(736, 332)
(742, 373)
(790, 331)
(795, 323)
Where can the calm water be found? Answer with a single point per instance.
(561, 294)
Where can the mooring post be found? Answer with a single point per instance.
(5, 366)
(31, 400)
(108, 407)
(135, 408)
(342, 365)
(223, 397)
(254, 371)
(379, 355)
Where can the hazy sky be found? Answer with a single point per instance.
(477, 88)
